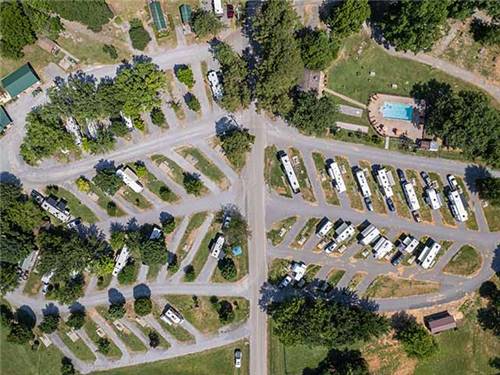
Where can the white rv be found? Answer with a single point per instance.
(290, 173)
(336, 176)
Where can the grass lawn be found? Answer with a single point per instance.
(273, 173)
(311, 272)
(136, 199)
(399, 198)
(153, 271)
(466, 262)
(305, 233)
(179, 333)
(377, 198)
(334, 276)
(278, 268)
(204, 317)
(146, 330)
(492, 213)
(356, 280)
(205, 166)
(79, 348)
(33, 284)
(156, 186)
(425, 211)
(106, 280)
(203, 251)
(471, 222)
(218, 361)
(280, 228)
(350, 76)
(445, 210)
(76, 207)
(241, 262)
(22, 360)
(103, 200)
(90, 327)
(389, 287)
(329, 192)
(33, 54)
(351, 187)
(195, 221)
(300, 170)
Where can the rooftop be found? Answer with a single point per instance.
(19, 80)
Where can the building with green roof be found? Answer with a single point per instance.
(5, 119)
(185, 11)
(19, 80)
(157, 14)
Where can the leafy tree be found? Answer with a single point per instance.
(235, 72)
(168, 225)
(192, 102)
(69, 290)
(227, 268)
(116, 311)
(189, 273)
(237, 231)
(104, 142)
(9, 278)
(236, 143)
(308, 321)
(118, 239)
(158, 117)
(279, 63)
(489, 189)
(107, 180)
(489, 316)
(76, 320)
(17, 31)
(154, 339)
(347, 17)
(226, 312)
(83, 184)
(67, 367)
(111, 208)
(103, 345)
(143, 306)
(173, 263)
(417, 341)
(485, 33)
(127, 274)
(103, 265)
(192, 183)
(118, 128)
(312, 115)
(49, 323)
(138, 35)
(110, 50)
(6, 315)
(185, 75)
(205, 23)
(317, 49)
(461, 9)
(153, 251)
(19, 333)
(414, 25)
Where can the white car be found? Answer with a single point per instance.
(286, 281)
(453, 182)
(237, 358)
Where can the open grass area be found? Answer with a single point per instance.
(159, 188)
(78, 347)
(297, 161)
(377, 199)
(205, 166)
(91, 327)
(280, 228)
(466, 262)
(103, 199)
(334, 276)
(311, 272)
(136, 199)
(76, 207)
(277, 269)
(195, 221)
(33, 284)
(329, 192)
(241, 262)
(389, 287)
(153, 271)
(425, 211)
(163, 344)
(203, 315)
(305, 233)
(33, 54)
(356, 280)
(273, 173)
(351, 187)
(399, 198)
(471, 222)
(350, 74)
(492, 213)
(203, 251)
(445, 210)
(106, 280)
(218, 361)
(179, 333)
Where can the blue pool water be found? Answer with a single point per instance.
(398, 111)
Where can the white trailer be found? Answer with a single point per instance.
(290, 173)
(334, 173)
(411, 196)
(363, 184)
(383, 181)
(218, 9)
(457, 206)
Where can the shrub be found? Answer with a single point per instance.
(83, 184)
(127, 274)
(227, 268)
(189, 273)
(168, 225)
(110, 50)
(154, 339)
(19, 333)
(166, 194)
(192, 102)
(185, 75)
(138, 35)
(417, 341)
(158, 117)
(192, 183)
(76, 320)
(173, 265)
(226, 313)
(111, 208)
(205, 23)
(103, 345)
(143, 306)
(116, 311)
(139, 124)
(118, 128)
(50, 323)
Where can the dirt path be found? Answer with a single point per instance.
(346, 98)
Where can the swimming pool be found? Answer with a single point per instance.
(398, 111)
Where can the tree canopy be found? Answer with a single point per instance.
(138, 35)
(279, 65)
(489, 189)
(17, 31)
(205, 23)
(312, 115)
(236, 143)
(317, 49)
(154, 251)
(185, 75)
(347, 17)
(417, 341)
(107, 180)
(143, 306)
(414, 25)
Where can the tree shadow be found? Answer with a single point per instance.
(115, 297)
(26, 316)
(165, 217)
(50, 309)
(133, 225)
(401, 320)
(76, 307)
(104, 164)
(141, 290)
(116, 227)
(474, 172)
(224, 125)
(9, 178)
(339, 361)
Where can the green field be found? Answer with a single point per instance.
(79, 348)
(195, 221)
(76, 207)
(329, 192)
(90, 327)
(103, 199)
(175, 172)
(334, 276)
(218, 361)
(205, 166)
(203, 251)
(273, 174)
(156, 186)
(274, 233)
(492, 213)
(136, 199)
(466, 262)
(153, 271)
(388, 287)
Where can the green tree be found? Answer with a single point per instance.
(461, 9)
(236, 143)
(205, 23)
(127, 274)
(67, 367)
(168, 225)
(417, 341)
(189, 273)
(154, 339)
(347, 17)
(153, 251)
(110, 50)
(138, 35)
(69, 290)
(192, 102)
(116, 311)
(83, 184)
(111, 208)
(76, 320)
(489, 189)
(485, 33)
(49, 323)
(118, 128)
(192, 183)
(19, 333)
(226, 312)
(103, 345)
(104, 142)
(103, 265)
(312, 115)
(9, 278)
(107, 180)
(235, 72)
(158, 117)
(317, 49)
(143, 306)
(227, 268)
(414, 25)
(185, 75)
(237, 231)
(279, 63)
(17, 31)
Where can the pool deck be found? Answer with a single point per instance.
(394, 127)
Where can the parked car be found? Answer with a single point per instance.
(452, 181)
(426, 178)
(332, 245)
(369, 204)
(416, 216)
(390, 204)
(401, 175)
(230, 11)
(286, 281)
(397, 258)
(226, 221)
(237, 358)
